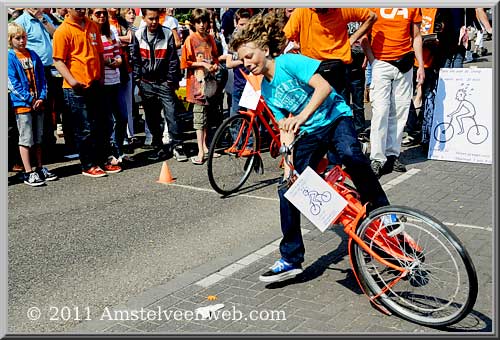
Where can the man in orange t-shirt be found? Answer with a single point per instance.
(322, 35)
(395, 43)
(77, 53)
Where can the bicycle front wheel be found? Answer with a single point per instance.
(443, 132)
(232, 154)
(440, 287)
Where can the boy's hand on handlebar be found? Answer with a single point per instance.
(292, 124)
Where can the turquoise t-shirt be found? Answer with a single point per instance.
(289, 92)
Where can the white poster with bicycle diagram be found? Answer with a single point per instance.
(316, 199)
(463, 113)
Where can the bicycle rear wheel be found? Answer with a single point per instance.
(234, 147)
(440, 287)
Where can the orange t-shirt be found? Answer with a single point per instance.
(324, 36)
(427, 27)
(195, 49)
(29, 70)
(391, 33)
(163, 16)
(80, 49)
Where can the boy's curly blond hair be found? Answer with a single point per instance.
(263, 31)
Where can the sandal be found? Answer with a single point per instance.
(195, 160)
(216, 155)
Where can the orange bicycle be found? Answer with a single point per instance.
(236, 147)
(405, 261)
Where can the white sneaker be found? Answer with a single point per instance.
(113, 160)
(148, 140)
(33, 179)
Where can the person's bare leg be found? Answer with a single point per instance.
(200, 135)
(25, 157)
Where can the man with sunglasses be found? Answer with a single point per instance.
(78, 58)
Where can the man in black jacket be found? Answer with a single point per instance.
(157, 74)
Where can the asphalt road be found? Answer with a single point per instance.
(95, 242)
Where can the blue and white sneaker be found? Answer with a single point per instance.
(45, 174)
(281, 270)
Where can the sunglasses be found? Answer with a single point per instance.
(99, 13)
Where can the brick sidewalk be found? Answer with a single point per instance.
(326, 298)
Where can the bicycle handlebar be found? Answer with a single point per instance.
(286, 150)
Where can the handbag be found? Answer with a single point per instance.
(405, 63)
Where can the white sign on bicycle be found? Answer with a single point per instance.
(462, 121)
(315, 199)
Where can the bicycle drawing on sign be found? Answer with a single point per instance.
(316, 199)
(445, 131)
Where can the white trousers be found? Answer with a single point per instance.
(390, 97)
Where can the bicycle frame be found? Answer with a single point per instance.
(350, 218)
(261, 113)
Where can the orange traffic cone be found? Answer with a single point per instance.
(165, 175)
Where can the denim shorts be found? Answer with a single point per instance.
(199, 116)
(30, 126)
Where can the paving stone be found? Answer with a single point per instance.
(244, 300)
(196, 328)
(146, 326)
(292, 322)
(166, 302)
(234, 327)
(298, 303)
(244, 284)
(275, 302)
(119, 328)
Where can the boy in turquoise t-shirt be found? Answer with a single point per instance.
(302, 100)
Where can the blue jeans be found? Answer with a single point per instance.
(340, 139)
(89, 124)
(415, 121)
(117, 119)
(235, 102)
(156, 96)
(355, 87)
(368, 75)
(454, 61)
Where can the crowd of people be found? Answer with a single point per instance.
(318, 68)
(85, 71)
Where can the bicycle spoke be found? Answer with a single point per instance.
(235, 143)
(440, 285)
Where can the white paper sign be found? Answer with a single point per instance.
(462, 127)
(315, 199)
(249, 97)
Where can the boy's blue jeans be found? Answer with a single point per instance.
(340, 138)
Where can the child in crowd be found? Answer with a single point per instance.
(199, 57)
(241, 18)
(292, 86)
(28, 92)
